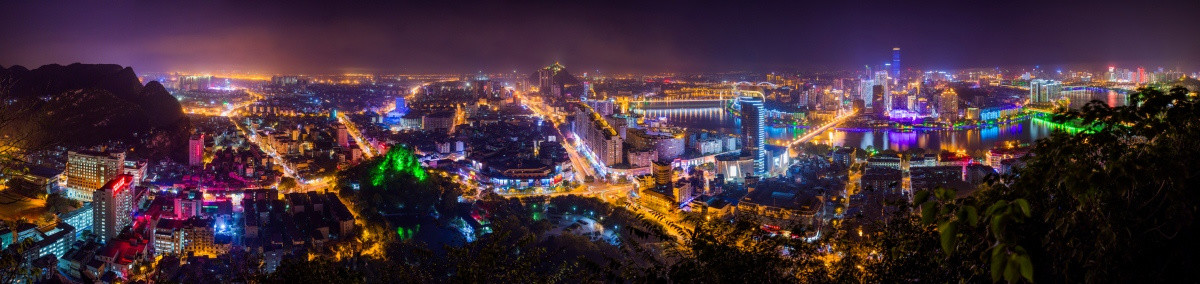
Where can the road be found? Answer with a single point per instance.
(368, 150)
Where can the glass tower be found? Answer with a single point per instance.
(896, 63)
(753, 132)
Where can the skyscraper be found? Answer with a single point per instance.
(112, 207)
(896, 64)
(865, 91)
(753, 132)
(1044, 91)
(877, 96)
(882, 79)
(89, 170)
(196, 150)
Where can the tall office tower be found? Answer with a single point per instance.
(1112, 73)
(343, 137)
(89, 170)
(865, 91)
(1141, 76)
(882, 79)
(877, 97)
(196, 150)
(112, 207)
(753, 132)
(948, 106)
(896, 64)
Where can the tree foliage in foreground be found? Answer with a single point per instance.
(1116, 203)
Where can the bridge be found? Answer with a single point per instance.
(680, 104)
(821, 129)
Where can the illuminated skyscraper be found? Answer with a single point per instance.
(87, 171)
(865, 91)
(1044, 91)
(882, 80)
(896, 64)
(112, 208)
(754, 133)
(948, 106)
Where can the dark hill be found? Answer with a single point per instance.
(122, 82)
(81, 105)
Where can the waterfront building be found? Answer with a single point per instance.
(948, 106)
(754, 133)
(1043, 91)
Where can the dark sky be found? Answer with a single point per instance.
(610, 36)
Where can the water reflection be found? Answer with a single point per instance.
(969, 140)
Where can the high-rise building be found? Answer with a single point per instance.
(112, 207)
(89, 170)
(865, 92)
(877, 100)
(948, 105)
(882, 79)
(196, 150)
(1044, 91)
(343, 137)
(896, 64)
(754, 132)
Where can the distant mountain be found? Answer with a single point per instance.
(51, 80)
(81, 105)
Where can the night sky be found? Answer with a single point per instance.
(610, 36)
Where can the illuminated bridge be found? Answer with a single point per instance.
(680, 104)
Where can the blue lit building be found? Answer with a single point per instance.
(896, 63)
(754, 132)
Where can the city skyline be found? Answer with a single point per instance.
(599, 142)
(605, 37)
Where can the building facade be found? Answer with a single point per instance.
(112, 208)
(88, 170)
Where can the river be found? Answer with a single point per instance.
(969, 140)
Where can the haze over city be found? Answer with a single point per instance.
(654, 36)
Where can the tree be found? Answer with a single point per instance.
(287, 183)
(56, 203)
(1115, 202)
(15, 263)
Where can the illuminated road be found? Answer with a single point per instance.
(367, 149)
